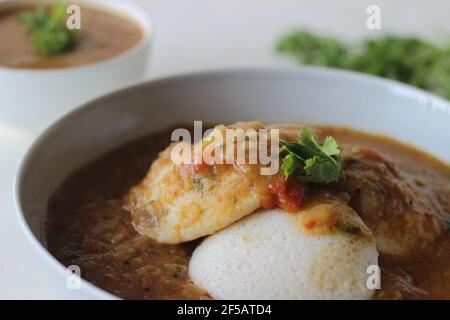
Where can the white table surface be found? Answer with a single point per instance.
(197, 35)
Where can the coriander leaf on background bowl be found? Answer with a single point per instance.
(46, 28)
(406, 59)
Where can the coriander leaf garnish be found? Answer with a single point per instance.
(311, 49)
(406, 59)
(290, 164)
(47, 30)
(330, 147)
(308, 161)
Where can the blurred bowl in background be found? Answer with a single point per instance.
(34, 98)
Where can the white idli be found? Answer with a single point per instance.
(269, 255)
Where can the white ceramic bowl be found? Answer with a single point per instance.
(32, 99)
(307, 95)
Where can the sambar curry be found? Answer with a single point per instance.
(97, 218)
(103, 35)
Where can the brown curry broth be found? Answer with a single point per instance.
(87, 226)
(103, 35)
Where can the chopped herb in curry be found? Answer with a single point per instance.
(47, 30)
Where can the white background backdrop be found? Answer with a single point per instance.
(204, 34)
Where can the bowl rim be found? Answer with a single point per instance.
(335, 74)
(132, 11)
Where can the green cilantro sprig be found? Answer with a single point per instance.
(310, 49)
(406, 59)
(47, 30)
(308, 161)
